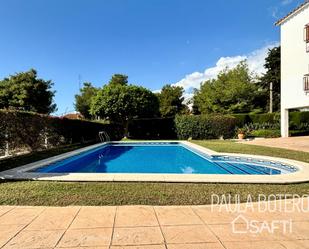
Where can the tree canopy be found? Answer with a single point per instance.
(233, 91)
(273, 74)
(118, 79)
(171, 101)
(25, 91)
(83, 100)
(123, 102)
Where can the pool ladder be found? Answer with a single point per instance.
(104, 137)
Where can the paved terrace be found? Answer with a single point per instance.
(291, 143)
(145, 227)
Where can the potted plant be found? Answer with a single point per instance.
(241, 133)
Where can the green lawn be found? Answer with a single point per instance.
(62, 194)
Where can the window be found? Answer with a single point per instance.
(306, 83)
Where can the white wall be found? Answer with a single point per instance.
(294, 64)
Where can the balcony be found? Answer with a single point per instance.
(306, 83)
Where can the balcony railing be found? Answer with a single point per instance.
(306, 83)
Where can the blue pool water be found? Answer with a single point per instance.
(160, 158)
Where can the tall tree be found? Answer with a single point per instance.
(234, 91)
(25, 91)
(119, 79)
(171, 101)
(273, 75)
(122, 103)
(83, 100)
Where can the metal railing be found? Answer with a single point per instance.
(104, 137)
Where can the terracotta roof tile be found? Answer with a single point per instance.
(279, 22)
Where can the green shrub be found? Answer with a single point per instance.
(265, 118)
(154, 128)
(299, 120)
(265, 133)
(31, 130)
(242, 119)
(205, 126)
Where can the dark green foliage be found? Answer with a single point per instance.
(122, 103)
(154, 128)
(234, 91)
(170, 99)
(24, 91)
(83, 100)
(266, 133)
(118, 79)
(24, 129)
(299, 120)
(205, 126)
(273, 74)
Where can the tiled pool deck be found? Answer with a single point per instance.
(144, 227)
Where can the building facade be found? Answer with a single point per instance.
(294, 63)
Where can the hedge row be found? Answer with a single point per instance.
(184, 127)
(35, 131)
(205, 126)
(155, 128)
(297, 119)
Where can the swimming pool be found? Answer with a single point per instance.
(161, 158)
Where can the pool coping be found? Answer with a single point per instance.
(21, 173)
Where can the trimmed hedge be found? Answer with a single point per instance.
(298, 120)
(35, 131)
(155, 128)
(205, 126)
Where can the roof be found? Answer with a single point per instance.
(73, 116)
(299, 8)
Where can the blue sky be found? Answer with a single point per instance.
(154, 42)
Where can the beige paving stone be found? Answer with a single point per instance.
(253, 245)
(94, 217)
(35, 239)
(20, 216)
(83, 247)
(299, 230)
(139, 247)
(137, 236)
(5, 209)
(225, 233)
(7, 232)
(291, 143)
(196, 246)
(215, 215)
(86, 237)
(188, 234)
(295, 244)
(128, 216)
(177, 216)
(54, 218)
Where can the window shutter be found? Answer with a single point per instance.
(307, 33)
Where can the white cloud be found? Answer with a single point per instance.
(255, 59)
(286, 2)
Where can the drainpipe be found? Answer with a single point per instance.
(271, 98)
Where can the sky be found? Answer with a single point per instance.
(154, 42)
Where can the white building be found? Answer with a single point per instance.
(294, 63)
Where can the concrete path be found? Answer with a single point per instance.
(291, 143)
(146, 227)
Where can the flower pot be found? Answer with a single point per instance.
(241, 136)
